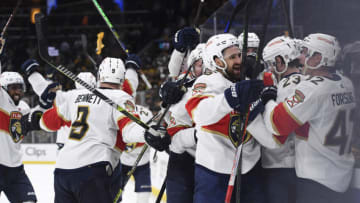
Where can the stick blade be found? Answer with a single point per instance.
(42, 42)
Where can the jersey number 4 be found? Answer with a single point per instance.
(80, 126)
(340, 133)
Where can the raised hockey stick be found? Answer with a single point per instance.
(287, 18)
(10, 18)
(116, 35)
(2, 40)
(84, 46)
(238, 8)
(44, 55)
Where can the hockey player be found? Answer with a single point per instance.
(253, 43)
(63, 133)
(319, 112)
(180, 172)
(85, 164)
(281, 57)
(128, 157)
(217, 99)
(13, 180)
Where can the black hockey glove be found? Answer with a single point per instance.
(159, 139)
(133, 61)
(46, 99)
(171, 92)
(268, 93)
(29, 66)
(30, 121)
(240, 95)
(256, 108)
(185, 38)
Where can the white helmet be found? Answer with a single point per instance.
(87, 77)
(111, 70)
(327, 45)
(216, 45)
(8, 78)
(280, 46)
(253, 40)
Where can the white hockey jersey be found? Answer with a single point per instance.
(98, 131)
(10, 130)
(180, 127)
(132, 150)
(284, 155)
(319, 111)
(218, 126)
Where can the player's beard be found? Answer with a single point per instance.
(235, 73)
(16, 98)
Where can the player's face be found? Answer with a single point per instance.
(303, 54)
(232, 56)
(16, 92)
(198, 66)
(280, 66)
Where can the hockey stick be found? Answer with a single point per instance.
(10, 19)
(133, 168)
(2, 40)
(287, 18)
(238, 8)
(44, 55)
(198, 11)
(84, 46)
(116, 35)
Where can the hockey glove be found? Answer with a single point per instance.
(46, 99)
(158, 139)
(30, 121)
(256, 108)
(185, 38)
(133, 61)
(29, 66)
(268, 93)
(171, 92)
(243, 93)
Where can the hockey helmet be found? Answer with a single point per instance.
(216, 45)
(9, 78)
(280, 46)
(87, 77)
(111, 70)
(327, 45)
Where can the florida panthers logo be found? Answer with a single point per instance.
(130, 147)
(235, 126)
(15, 127)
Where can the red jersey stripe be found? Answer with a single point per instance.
(192, 104)
(283, 121)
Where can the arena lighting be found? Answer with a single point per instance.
(33, 12)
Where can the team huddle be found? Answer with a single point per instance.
(285, 122)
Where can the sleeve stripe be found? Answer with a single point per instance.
(52, 120)
(173, 130)
(192, 104)
(127, 87)
(280, 139)
(283, 121)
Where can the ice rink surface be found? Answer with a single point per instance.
(42, 178)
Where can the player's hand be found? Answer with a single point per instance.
(134, 62)
(185, 38)
(30, 121)
(158, 138)
(171, 92)
(46, 99)
(29, 66)
(240, 95)
(268, 93)
(256, 108)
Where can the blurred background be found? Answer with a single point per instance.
(146, 28)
